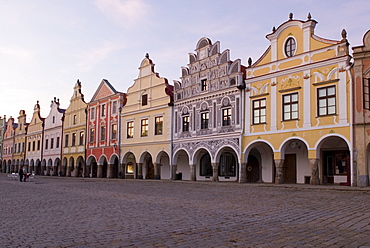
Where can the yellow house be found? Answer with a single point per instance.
(298, 109)
(74, 131)
(146, 126)
(35, 132)
(19, 151)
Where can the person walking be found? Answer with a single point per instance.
(20, 174)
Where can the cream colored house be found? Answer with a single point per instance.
(146, 126)
(298, 109)
(19, 152)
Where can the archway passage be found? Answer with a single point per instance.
(205, 166)
(336, 163)
(228, 165)
(150, 168)
(253, 169)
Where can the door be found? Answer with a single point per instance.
(290, 168)
(253, 170)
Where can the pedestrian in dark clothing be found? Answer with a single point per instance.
(20, 174)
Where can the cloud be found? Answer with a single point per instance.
(128, 13)
(17, 53)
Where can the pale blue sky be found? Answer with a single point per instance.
(46, 45)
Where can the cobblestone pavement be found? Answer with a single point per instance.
(87, 212)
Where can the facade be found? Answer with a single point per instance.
(2, 130)
(361, 110)
(53, 131)
(102, 146)
(298, 109)
(146, 126)
(8, 146)
(34, 149)
(208, 121)
(74, 133)
(19, 152)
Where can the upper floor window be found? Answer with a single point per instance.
(114, 107)
(46, 144)
(226, 117)
(102, 110)
(130, 129)
(203, 85)
(144, 127)
(366, 94)
(53, 119)
(38, 145)
(290, 107)
(102, 133)
(259, 111)
(158, 125)
(92, 113)
(58, 141)
(185, 123)
(326, 99)
(204, 118)
(82, 137)
(51, 143)
(73, 139)
(66, 140)
(74, 119)
(114, 131)
(144, 100)
(92, 134)
(290, 47)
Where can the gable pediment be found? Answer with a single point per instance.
(105, 89)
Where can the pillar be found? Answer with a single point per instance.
(215, 172)
(99, 173)
(193, 176)
(279, 175)
(173, 171)
(243, 173)
(139, 170)
(69, 169)
(314, 164)
(110, 171)
(122, 171)
(157, 171)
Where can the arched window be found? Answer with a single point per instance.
(290, 47)
(227, 166)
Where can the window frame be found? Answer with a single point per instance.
(103, 133)
(158, 125)
(130, 129)
(114, 131)
(203, 84)
(289, 44)
(92, 135)
(103, 109)
(186, 123)
(226, 113)
(326, 98)
(144, 99)
(204, 120)
(259, 109)
(366, 93)
(144, 127)
(291, 103)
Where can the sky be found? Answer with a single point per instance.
(47, 45)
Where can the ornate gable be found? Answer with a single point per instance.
(105, 89)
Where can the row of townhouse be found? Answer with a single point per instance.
(299, 114)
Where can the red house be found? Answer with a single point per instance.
(103, 125)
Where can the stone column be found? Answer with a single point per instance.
(48, 170)
(110, 171)
(69, 169)
(279, 175)
(157, 171)
(99, 172)
(55, 171)
(173, 171)
(243, 173)
(215, 172)
(139, 170)
(314, 164)
(193, 172)
(122, 171)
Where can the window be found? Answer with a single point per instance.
(92, 134)
(326, 101)
(53, 119)
(130, 168)
(206, 166)
(185, 123)
(114, 108)
(102, 110)
(130, 129)
(22, 146)
(46, 144)
(38, 145)
(92, 113)
(290, 47)
(259, 111)
(114, 131)
(204, 118)
(102, 133)
(144, 127)
(226, 117)
(290, 107)
(74, 119)
(158, 125)
(66, 140)
(82, 137)
(366, 83)
(58, 141)
(203, 85)
(73, 139)
(227, 165)
(51, 143)
(144, 100)
(29, 146)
